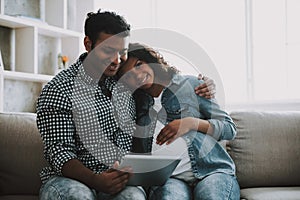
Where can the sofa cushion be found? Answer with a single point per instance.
(21, 154)
(266, 149)
(275, 193)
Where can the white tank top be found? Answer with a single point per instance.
(177, 148)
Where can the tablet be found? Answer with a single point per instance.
(149, 170)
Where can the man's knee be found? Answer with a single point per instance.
(64, 188)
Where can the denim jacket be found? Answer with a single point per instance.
(206, 154)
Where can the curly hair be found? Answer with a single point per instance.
(107, 22)
(161, 68)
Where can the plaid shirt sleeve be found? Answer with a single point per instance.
(57, 129)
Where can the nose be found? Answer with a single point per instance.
(132, 73)
(116, 59)
(137, 74)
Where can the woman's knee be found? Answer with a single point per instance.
(172, 189)
(224, 187)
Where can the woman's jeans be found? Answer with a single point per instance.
(61, 188)
(218, 186)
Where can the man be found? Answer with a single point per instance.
(84, 131)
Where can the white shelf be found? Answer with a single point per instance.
(14, 22)
(57, 32)
(33, 34)
(21, 76)
(43, 27)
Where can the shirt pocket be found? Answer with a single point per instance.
(176, 111)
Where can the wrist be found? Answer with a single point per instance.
(91, 180)
(75, 169)
(193, 122)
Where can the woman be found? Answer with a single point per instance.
(193, 125)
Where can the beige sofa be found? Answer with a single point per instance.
(266, 152)
(21, 156)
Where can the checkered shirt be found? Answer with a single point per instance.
(77, 120)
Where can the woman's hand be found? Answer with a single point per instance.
(174, 129)
(179, 127)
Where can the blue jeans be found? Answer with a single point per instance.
(62, 188)
(218, 186)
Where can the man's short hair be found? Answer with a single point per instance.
(107, 22)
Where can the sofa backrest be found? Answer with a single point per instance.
(266, 150)
(21, 154)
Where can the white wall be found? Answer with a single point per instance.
(216, 25)
(219, 27)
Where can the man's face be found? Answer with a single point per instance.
(109, 52)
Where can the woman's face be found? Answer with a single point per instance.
(137, 74)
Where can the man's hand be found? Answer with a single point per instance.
(206, 89)
(173, 130)
(113, 180)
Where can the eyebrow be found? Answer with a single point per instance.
(121, 52)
